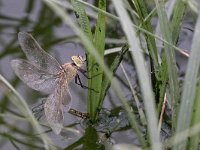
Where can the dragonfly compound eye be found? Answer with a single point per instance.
(78, 60)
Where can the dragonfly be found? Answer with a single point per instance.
(42, 72)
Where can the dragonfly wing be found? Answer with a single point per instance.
(66, 98)
(54, 113)
(36, 55)
(35, 78)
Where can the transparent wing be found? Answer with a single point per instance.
(36, 55)
(66, 98)
(35, 78)
(63, 95)
(57, 103)
(54, 113)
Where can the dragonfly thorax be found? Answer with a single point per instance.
(78, 60)
(69, 71)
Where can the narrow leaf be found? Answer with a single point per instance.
(189, 88)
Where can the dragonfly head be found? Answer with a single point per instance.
(78, 60)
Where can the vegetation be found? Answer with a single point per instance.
(163, 111)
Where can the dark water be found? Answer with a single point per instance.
(35, 17)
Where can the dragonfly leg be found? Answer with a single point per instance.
(84, 73)
(78, 82)
(38, 110)
(93, 67)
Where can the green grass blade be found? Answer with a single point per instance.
(96, 82)
(99, 42)
(178, 14)
(151, 44)
(144, 80)
(170, 57)
(85, 26)
(181, 136)
(113, 67)
(82, 18)
(161, 88)
(162, 84)
(194, 141)
(189, 88)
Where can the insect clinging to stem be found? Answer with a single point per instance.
(43, 73)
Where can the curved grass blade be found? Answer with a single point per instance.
(178, 15)
(20, 103)
(144, 80)
(170, 57)
(113, 67)
(96, 82)
(194, 140)
(189, 88)
(99, 42)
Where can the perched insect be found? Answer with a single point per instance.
(43, 73)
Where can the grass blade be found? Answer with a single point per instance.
(189, 88)
(113, 67)
(194, 141)
(170, 57)
(82, 18)
(96, 82)
(146, 24)
(21, 104)
(99, 42)
(142, 73)
(179, 11)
